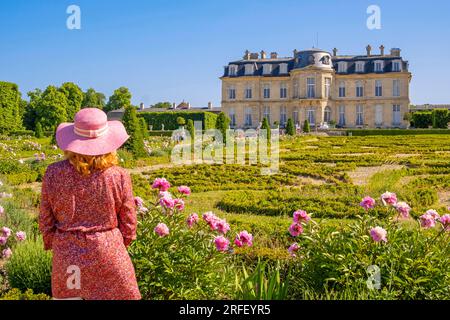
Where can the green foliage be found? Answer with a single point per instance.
(290, 129)
(191, 129)
(51, 108)
(422, 119)
(39, 133)
(162, 105)
(74, 97)
(222, 124)
(93, 99)
(181, 121)
(266, 126)
(144, 127)
(396, 132)
(169, 119)
(121, 98)
(30, 267)
(16, 294)
(30, 114)
(440, 118)
(10, 102)
(306, 127)
(135, 143)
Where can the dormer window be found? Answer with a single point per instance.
(342, 66)
(359, 66)
(267, 69)
(378, 66)
(396, 66)
(232, 70)
(249, 69)
(283, 68)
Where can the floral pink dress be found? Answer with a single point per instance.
(88, 221)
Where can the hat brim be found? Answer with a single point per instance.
(112, 140)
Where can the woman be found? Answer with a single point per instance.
(87, 213)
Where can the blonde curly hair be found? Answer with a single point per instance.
(88, 164)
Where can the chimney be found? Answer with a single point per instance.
(368, 49)
(141, 106)
(210, 105)
(273, 55)
(174, 106)
(254, 56)
(188, 105)
(382, 50)
(395, 52)
(247, 55)
(335, 52)
(263, 54)
(295, 52)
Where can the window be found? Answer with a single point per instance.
(248, 92)
(359, 66)
(341, 89)
(378, 66)
(342, 66)
(248, 117)
(295, 116)
(341, 116)
(296, 89)
(396, 88)
(249, 69)
(232, 116)
(327, 87)
(311, 116)
(378, 88)
(359, 115)
(267, 69)
(359, 89)
(311, 87)
(283, 116)
(327, 115)
(396, 115)
(266, 91)
(283, 68)
(378, 115)
(232, 70)
(267, 113)
(283, 91)
(396, 66)
(231, 93)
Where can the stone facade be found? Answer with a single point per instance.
(367, 91)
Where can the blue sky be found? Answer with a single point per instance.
(173, 50)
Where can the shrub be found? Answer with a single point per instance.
(39, 133)
(290, 129)
(440, 118)
(16, 294)
(265, 126)
(191, 129)
(181, 121)
(222, 124)
(422, 119)
(30, 267)
(169, 119)
(306, 127)
(395, 132)
(135, 144)
(144, 127)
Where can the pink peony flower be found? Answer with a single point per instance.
(6, 232)
(142, 209)
(367, 203)
(427, 221)
(301, 216)
(178, 204)
(221, 243)
(166, 200)
(293, 248)
(162, 230)
(378, 234)
(222, 226)
(138, 201)
(389, 198)
(433, 213)
(192, 219)
(7, 253)
(211, 219)
(243, 238)
(184, 190)
(445, 220)
(21, 235)
(295, 229)
(402, 208)
(161, 183)
(3, 241)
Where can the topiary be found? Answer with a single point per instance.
(135, 143)
(38, 133)
(266, 126)
(290, 130)
(306, 127)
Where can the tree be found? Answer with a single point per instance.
(440, 118)
(222, 124)
(74, 97)
(265, 126)
(162, 105)
(181, 121)
(191, 128)
(121, 98)
(144, 127)
(290, 129)
(93, 99)
(10, 101)
(51, 108)
(38, 132)
(306, 127)
(135, 144)
(30, 114)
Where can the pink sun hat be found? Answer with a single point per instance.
(91, 134)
